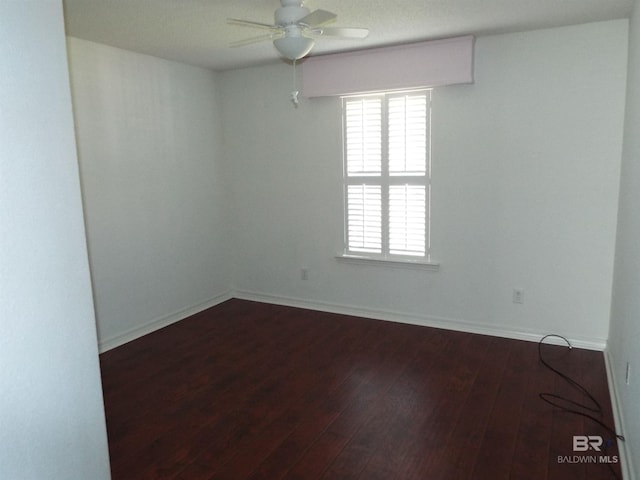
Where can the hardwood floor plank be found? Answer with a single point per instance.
(419, 435)
(329, 379)
(264, 403)
(460, 452)
(594, 379)
(565, 425)
(496, 453)
(321, 412)
(386, 363)
(417, 413)
(532, 445)
(253, 391)
(379, 365)
(268, 363)
(316, 393)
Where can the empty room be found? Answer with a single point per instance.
(262, 239)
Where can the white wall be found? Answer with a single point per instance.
(525, 166)
(51, 415)
(154, 191)
(624, 339)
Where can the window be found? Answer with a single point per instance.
(387, 175)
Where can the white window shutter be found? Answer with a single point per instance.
(407, 220)
(408, 134)
(363, 130)
(364, 218)
(386, 154)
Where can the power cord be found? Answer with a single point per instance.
(571, 406)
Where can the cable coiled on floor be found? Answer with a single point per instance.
(571, 406)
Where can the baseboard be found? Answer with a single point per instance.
(161, 322)
(427, 321)
(377, 314)
(625, 458)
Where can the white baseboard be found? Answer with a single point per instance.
(427, 321)
(625, 457)
(161, 322)
(377, 314)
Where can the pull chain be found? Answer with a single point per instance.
(294, 92)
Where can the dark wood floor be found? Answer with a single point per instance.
(253, 391)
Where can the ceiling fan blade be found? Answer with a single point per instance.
(343, 32)
(317, 18)
(252, 40)
(249, 23)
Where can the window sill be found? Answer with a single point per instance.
(390, 263)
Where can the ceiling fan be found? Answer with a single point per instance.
(296, 27)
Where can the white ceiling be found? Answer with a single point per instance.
(196, 32)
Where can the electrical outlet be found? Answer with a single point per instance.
(304, 274)
(628, 374)
(518, 295)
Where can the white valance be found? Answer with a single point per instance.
(417, 65)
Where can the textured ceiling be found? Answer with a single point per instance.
(196, 32)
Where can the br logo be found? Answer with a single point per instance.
(583, 443)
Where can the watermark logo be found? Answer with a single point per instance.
(592, 444)
(583, 443)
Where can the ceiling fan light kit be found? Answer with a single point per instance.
(294, 48)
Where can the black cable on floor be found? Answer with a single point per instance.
(571, 406)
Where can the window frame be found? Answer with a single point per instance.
(386, 180)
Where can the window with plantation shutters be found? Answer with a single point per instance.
(386, 173)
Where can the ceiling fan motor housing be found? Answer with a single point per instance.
(290, 12)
